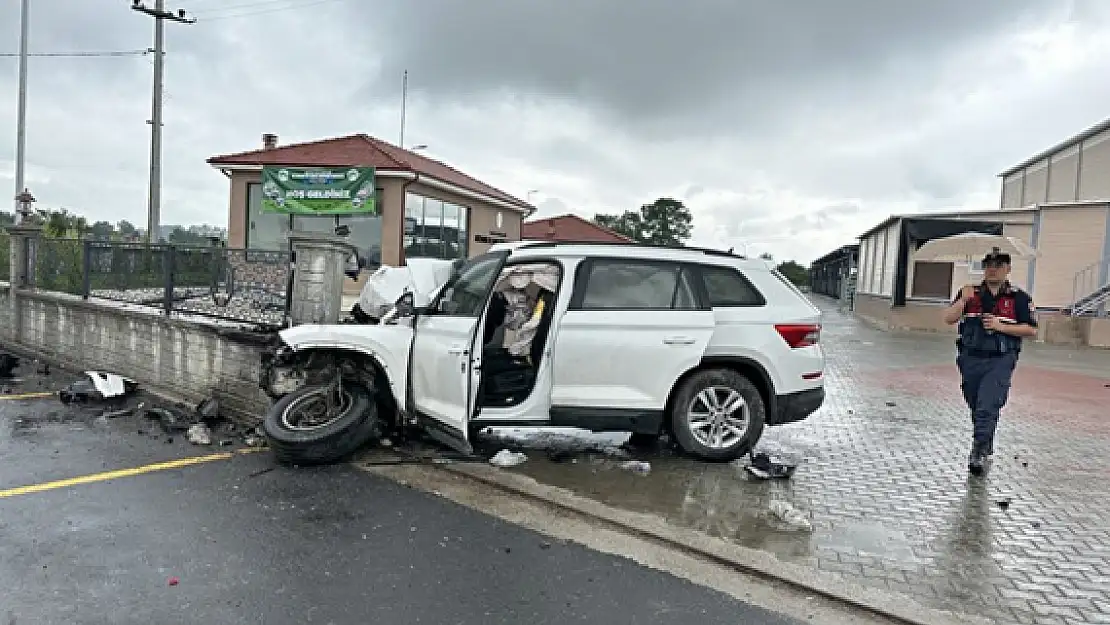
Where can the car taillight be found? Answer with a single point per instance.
(799, 334)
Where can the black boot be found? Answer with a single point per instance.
(978, 460)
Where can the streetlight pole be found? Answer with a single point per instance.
(21, 116)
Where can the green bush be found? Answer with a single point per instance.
(58, 265)
(5, 257)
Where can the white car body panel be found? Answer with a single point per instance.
(626, 358)
(388, 344)
(749, 332)
(440, 361)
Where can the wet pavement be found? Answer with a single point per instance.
(238, 540)
(883, 481)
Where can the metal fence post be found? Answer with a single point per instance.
(168, 260)
(86, 269)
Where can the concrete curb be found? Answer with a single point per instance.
(897, 608)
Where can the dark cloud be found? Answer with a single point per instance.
(656, 61)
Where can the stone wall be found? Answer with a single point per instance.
(180, 360)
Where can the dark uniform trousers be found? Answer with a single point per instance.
(986, 386)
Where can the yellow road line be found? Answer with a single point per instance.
(112, 475)
(26, 396)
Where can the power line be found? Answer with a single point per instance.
(293, 7)
(112, 53)
(233, 7)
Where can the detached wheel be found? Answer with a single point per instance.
(300, 430)
(718, 415)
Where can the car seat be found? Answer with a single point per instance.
(508, 379)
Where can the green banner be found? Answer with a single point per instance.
(319, 191)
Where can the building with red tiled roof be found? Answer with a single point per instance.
(424, 207)
(570, 229)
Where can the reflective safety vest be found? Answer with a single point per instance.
(975, 338)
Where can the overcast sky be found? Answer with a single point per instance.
(787, 127)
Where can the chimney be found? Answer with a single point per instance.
(269, 141)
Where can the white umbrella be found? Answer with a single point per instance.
(969, 245)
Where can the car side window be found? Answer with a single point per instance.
(727, 287)
(466, 294)
(629, 284)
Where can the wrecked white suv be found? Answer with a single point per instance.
(702, 345)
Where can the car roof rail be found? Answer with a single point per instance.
(704, 250)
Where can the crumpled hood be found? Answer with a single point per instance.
(423, 276)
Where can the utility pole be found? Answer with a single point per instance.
(154, 201)
(404, 106)
(21, 115)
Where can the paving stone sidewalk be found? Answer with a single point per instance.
(885, 485)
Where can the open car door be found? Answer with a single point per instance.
(444, 379)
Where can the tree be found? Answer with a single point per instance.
(665, 221)
(189, 237)
(126, 229)
(794, 272)
(102, 230)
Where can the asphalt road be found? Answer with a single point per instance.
(248, 542)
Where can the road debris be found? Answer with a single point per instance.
(123, 412)
(254, 438)
(765, 466)
(169, 421)
(506, 458)
(790, 516)
(199, 434)
(636, 466)
(209, 410)
(97, 386)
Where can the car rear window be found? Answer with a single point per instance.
(728, 287)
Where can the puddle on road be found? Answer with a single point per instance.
(720, 500)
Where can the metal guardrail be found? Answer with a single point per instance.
(245, 286)
(1090, 289)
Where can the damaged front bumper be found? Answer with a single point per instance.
(280, 375)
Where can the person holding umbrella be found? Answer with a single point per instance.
(994, 317)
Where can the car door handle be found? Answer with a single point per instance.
(679, 340)
(458, 350)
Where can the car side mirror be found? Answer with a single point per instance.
(405, 305)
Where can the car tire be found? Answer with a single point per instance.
(329, 442)
(690, 396)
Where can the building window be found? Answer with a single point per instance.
(269, 231)
(434, 229)
(366, 234)
(932, 280)
(265, 231)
